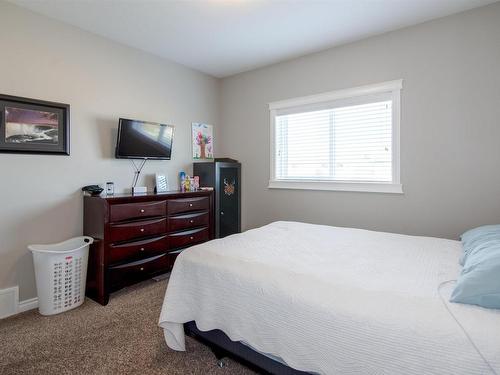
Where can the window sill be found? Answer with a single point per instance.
(366, 187)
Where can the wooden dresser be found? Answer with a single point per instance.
(137, 237)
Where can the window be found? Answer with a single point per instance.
(341, 140)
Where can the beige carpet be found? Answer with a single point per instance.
(120, 338)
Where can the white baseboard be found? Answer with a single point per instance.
(27, 304)
(10, 304)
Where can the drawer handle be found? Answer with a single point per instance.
(142, 249)
(142, 211)
(142, 229)
(191, 221)
(142, 268)
(191, 238)
(190, 205)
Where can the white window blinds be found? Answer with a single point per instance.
(348, 143)
(342, 140)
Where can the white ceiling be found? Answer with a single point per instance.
(225, 37)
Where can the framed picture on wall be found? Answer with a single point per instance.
(203, 141)
(33, 126)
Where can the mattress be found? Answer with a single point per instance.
(333, 300)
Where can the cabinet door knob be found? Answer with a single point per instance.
(191, 221)
(142, 229)
(142, 249)
(191, 237)
(142, 268)
(190, 205)
(222, 212)
(142, 210)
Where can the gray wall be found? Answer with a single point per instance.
(40, 198)
(450, 129)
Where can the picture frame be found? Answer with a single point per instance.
(202, 141)
(32, 126)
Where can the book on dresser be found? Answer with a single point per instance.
(138, 237)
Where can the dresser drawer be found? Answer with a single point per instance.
(187, 238)
(127, 231)
(187, 221)
(188, 204)
(130, 273)
(127, 211)
(143, 248)
(173, 256)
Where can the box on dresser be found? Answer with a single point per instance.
(137, 237)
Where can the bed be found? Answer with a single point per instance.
(331, 300)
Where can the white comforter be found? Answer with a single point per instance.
(333, 300)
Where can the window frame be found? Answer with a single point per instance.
(393, 88)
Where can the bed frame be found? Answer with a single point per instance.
(222, 347)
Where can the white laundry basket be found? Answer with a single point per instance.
(61, 272)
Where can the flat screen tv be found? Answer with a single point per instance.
(144, 140)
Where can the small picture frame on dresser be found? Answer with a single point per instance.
(161, 183)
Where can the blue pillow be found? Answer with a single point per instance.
(477, 236)
(479, 281)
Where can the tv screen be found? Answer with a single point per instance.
(144, 140)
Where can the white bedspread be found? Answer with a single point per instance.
(332, 300)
